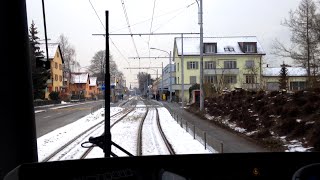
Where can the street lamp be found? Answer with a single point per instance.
(170, 88)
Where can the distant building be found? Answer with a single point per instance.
(166, 78)
(297, 77)
(79, 84)
(228, 62)
(55, 83)
(93, 87)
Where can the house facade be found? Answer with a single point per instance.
(166, 78)
(93, 87)
(228, 63)
(80, 84)
(55, 83)
(297, 78)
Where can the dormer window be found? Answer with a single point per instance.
(250, 47)
(229, 49)
(210, 48)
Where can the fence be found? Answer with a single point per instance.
(203, 137)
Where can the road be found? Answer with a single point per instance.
(53, 117)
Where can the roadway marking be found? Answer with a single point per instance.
(46, 117)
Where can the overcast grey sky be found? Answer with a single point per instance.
(77, 20)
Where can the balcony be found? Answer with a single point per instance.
(252, 86)
(220, 71)
(179, 87)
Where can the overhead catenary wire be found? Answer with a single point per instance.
(154, 5)
(129, 27)
(109, 37)
(146, 20)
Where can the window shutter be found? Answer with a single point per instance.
(188, 65)
(197, 65)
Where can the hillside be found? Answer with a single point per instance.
(280, 121)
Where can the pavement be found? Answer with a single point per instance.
(218, 138)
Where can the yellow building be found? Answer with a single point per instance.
(55, 83)
(228, 63)
(297, 77)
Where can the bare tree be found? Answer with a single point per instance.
(68, 52)
(304, 38)
(144, 80)
(98, 67)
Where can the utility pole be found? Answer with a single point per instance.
(161, 81)
(201, 58)
(182, 73)
(170, 89)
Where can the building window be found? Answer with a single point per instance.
(250, 79)
(299, 85)
(210, 79)
(250, 48)
(193, 79)
(56, 65)
(56, 89)
(192, 65)
(249, 64)
(229, 49)
(229, 79)
(56, 77)
(60, 66)
(178, 67)
(209, 48)
(230, 64)
(58, 55)
(60, 78)
(178, 81)
(210, 65)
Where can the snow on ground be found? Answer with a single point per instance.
(152, 142)
(182, 141)
(125, 132)
(50, 142)
(292, 146)
(39, 111)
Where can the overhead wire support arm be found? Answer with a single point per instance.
(145, 34)
(148, 57)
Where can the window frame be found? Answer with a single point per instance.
(212, 79)
(212, 49)
(230, 64)
(195, 79)
(210, 65)
(230, 79)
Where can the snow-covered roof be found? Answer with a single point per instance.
(52, 49)
(93, 81)
(292, 71)
(191, 45)
(81, 77)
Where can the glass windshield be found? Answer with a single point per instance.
(178, 77)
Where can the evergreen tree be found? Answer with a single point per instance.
(40, 74)
(283, 81)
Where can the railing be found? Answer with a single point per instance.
(209, 142)
(220, 71)
(252, 86)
